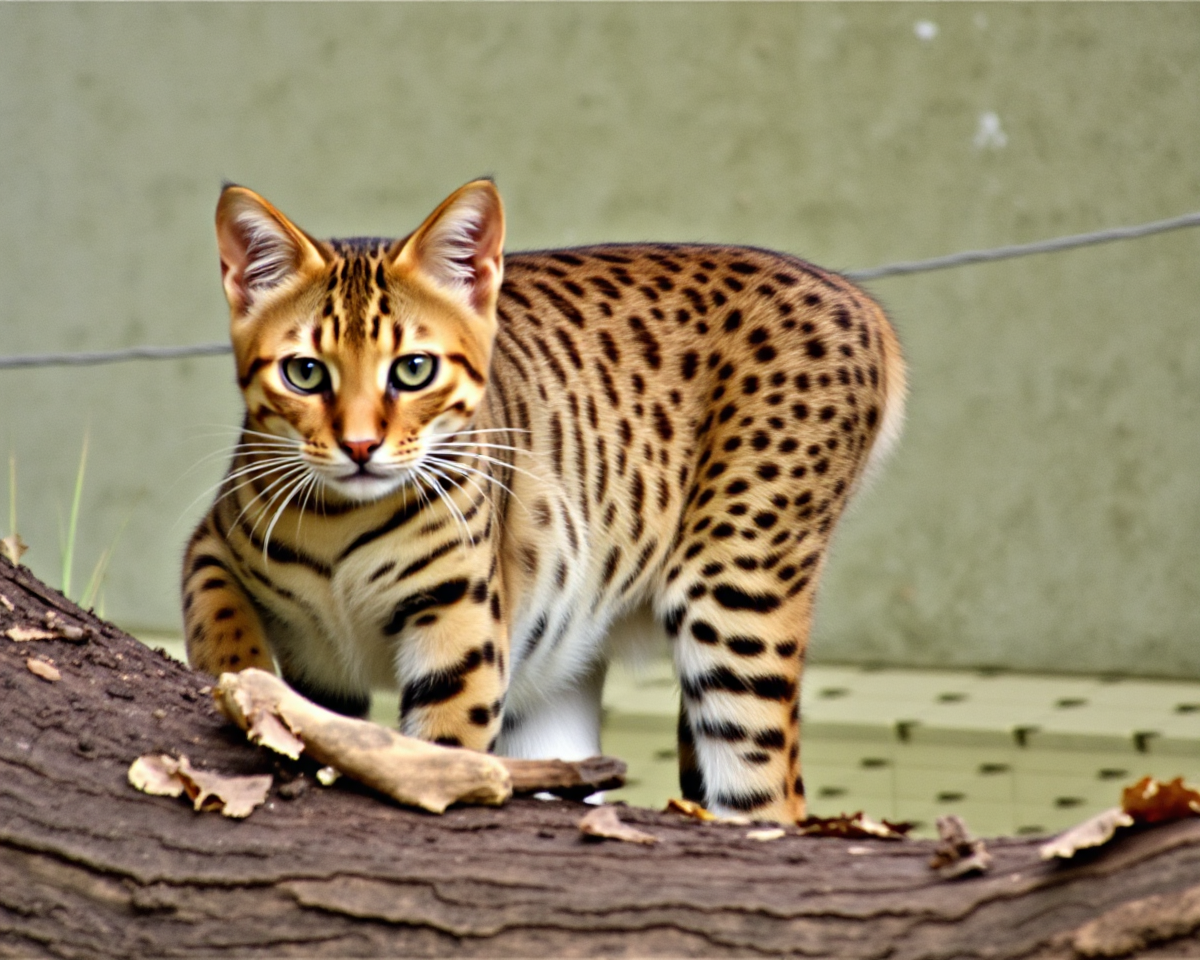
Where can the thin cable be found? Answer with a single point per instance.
(1026, 249)
(113, 356)
(874, 273)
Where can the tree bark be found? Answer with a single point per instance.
(89, 867)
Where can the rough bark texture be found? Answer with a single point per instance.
(91, 868)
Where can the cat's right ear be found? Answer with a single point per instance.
(260, 248)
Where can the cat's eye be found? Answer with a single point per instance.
(305, 374)
(413, 371)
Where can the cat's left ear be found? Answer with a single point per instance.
(460, 246)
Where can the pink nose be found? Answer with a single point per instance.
(360, 450)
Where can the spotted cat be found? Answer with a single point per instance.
(457, 468)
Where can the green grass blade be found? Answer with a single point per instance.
(96, 581)
(73, 522)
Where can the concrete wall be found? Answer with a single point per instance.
(1043, 510)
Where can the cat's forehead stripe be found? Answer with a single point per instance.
(358, 289)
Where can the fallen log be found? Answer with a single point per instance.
(90, 867)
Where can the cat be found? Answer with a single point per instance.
(457, 468)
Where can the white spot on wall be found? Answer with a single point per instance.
(989, 135)
(925, 30)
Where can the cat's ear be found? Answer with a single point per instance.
(460, 247)
(260, 248)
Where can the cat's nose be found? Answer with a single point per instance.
(359, 450)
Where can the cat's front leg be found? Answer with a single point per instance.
(222, 629)
(452, 664)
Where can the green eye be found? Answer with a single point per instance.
(305, 374)
(413, 371)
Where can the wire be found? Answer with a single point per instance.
(113, 356)
(1027, 249)
(961, 259)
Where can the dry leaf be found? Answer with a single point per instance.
(765, 835)
(40, 668)
(158, 776)
(1157, 801)
(689, 808)
(1148, 801)
(854, 826)
(165, 776)
(958, 853)
(12, 548)
(6, 603)
(1091, 833)
(21, 634)
(603, 823)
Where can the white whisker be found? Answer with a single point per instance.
(266, 466)
(501, 463)
(310, 484)
(440, 445)
(448, 499)
(463, 468)
(287, 499)
(285, 477)
(466, 433)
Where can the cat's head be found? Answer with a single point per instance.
(360, 354)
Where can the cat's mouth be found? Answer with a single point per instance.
(368, 481)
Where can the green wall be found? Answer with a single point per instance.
(1043, 510)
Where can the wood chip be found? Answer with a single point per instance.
(40, 668)
(604, 824)
(408, 770)
(6, 603)
(958, 854)
(765, 835)
(23, 634)
(327, 776)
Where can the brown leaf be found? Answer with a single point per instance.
(235, 796)
(853, 826)
(165, 776)
(157, 776)
(12, 548)
(40, 668)
(689, 808)
(958, 854)
(603, 823)
(1157, 801)
(21, 634)
(1092, 832)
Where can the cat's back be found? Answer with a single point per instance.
(676, 397)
